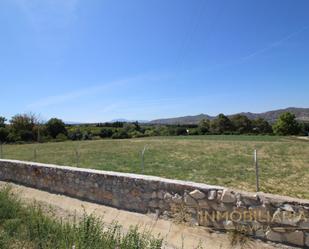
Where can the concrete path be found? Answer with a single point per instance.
(175, 235)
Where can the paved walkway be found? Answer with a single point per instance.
(175, 235)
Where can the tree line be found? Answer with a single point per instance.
(28, 128)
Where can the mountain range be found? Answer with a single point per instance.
(302, 114)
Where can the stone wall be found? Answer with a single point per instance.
(270, 217)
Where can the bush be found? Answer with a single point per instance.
(171, 131)
(305, 129)
(120, 135)
(151, 133)
(203, 127)
(75, 135)
(181, 131)
(61, 138)
(55, 126)
(3, 135)
(26, 135)
(195, 131)
(106, 133)
(136, 134)
(87, 135)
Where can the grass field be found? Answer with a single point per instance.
(220, 160)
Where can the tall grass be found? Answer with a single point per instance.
(27, 226)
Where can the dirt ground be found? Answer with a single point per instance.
(175, 235)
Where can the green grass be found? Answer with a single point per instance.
(220, 160)
(27, 226)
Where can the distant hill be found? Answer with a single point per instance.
(128, 121)
(302, 114)
(182, 120)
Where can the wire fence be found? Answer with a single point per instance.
(34, 153)
(246, 167)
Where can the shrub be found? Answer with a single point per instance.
(151, 133)
(181, 131)
(26, 135)
(242, 124)
(55, 126)
(136, 134)
(203, 127)
(106, 133)
(2, 122)
(61, 137)
(87, 135)
(221, 124)
(3, 135)
(120, 135)
(195, 131)
(261, 126)
(75, 135)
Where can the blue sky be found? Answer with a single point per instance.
(100, 60)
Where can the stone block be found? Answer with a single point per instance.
(167, 196)
(228, 225)
(307, 239)
(160, 195)
(260, 213)
(228, 196)
(203, 204)
(219, 194)
(153, 204)
(286, 218)
(304, 225)
(220, 207)
(295, 238)
(273, 236)
(177, 199)
(212, 194)
(189, 200)
(198, 195)
(287, 207)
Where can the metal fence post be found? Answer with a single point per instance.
(1, 151)
(35, 154)
(143, 158)
(256, 171)
(77, 154)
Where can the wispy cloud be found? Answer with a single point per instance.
(248, 57)
(274, 44)
(89, 91)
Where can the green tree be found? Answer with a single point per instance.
(75, 134)
(261, 126)
(305, 128)
(56, 126)
(2, 122)
(4, 132)
(22, 126)
(121, 134)
(286, 125)
(203, 126)
(131, 127)
(180, 131)
(106, 132)
(241, 124)
(221, 124)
